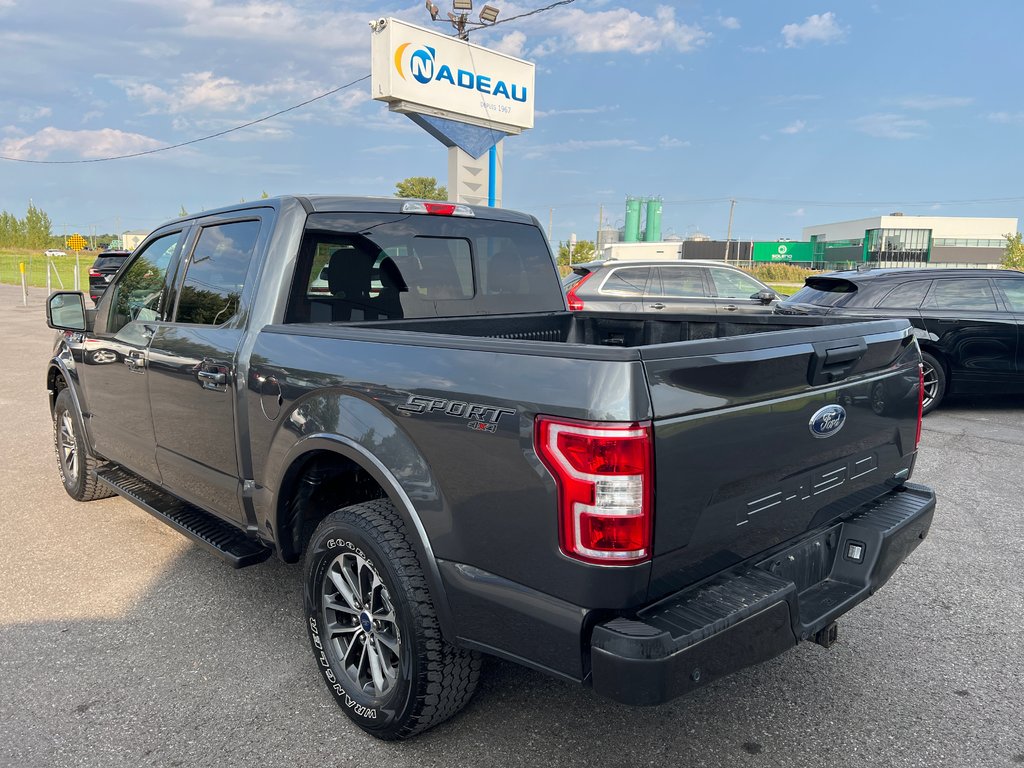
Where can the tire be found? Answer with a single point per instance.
(934, 382)
(75, 462)
(373, 627)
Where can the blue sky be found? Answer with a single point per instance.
(806, 112)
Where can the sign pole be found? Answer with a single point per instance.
(24, 285)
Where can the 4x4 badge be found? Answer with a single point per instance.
(827, 421)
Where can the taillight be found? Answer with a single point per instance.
(575, 302)
(920, 403)
(605, 478)
(94, 273)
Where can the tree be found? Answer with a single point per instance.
(1013, 256)
(37, 228)
(421, 187)
(583, 251)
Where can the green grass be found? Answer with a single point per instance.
(62, 271)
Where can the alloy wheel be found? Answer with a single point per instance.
(361, 625)
(68, 446)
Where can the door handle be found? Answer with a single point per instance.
(213, 377)
(657, 305)
(730, 307)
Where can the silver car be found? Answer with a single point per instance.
(666, 287)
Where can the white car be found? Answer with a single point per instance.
(53, 252)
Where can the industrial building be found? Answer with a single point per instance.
(899, 239)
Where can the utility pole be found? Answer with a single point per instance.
(551, 218)
(728, 232)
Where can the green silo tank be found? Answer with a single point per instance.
(632, 233)
(652, 229)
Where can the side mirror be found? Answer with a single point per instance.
(765, 297)
(65, 311)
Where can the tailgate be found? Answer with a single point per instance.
(763, 437)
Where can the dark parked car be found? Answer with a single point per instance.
(705, 287)
(969, 322)
(103, 269)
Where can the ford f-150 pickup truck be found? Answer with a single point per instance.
(639, 504)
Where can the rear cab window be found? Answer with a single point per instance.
(389, 266)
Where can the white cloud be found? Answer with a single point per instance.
(85, 145)
(797, 126)
(934, 102)
(581, 145)
(729, 22)
(670, 142)
(817, 28)
(203, 91)
(511, 44)
(622, 30)
(577, 111)
(798, 213)
(890, 126)
(28, 114)
(1006, 118)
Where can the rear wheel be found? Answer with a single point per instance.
(76, 464)
(373, 626)
(934, 382)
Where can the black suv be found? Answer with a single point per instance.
(666, 287)
(969, 322)
(103, 269)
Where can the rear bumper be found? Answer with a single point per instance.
(749, 614)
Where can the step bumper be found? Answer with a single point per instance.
(752, 613)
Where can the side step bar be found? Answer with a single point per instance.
(219, 537)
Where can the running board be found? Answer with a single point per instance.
(219, 537)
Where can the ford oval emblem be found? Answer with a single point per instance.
(827, 421)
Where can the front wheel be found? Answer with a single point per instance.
(76, 464)
(934, 382)
(373, 627)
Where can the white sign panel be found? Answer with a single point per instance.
(417, 70)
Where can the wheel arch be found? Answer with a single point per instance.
(361, 477)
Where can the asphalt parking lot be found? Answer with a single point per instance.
(122, 643)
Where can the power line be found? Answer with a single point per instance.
(524, 15)
(192, 141)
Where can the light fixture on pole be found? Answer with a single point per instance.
(433, 10)
(462, 5)
(488, 14)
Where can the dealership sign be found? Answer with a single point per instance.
(423, 72)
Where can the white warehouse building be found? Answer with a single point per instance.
(899, 238)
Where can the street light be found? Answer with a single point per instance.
(459, 16)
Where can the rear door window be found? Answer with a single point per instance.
(215, 273)
(961, 293)
(1013, 290)
(682, 281)
(907, 295)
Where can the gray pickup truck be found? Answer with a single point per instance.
(639, 504)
